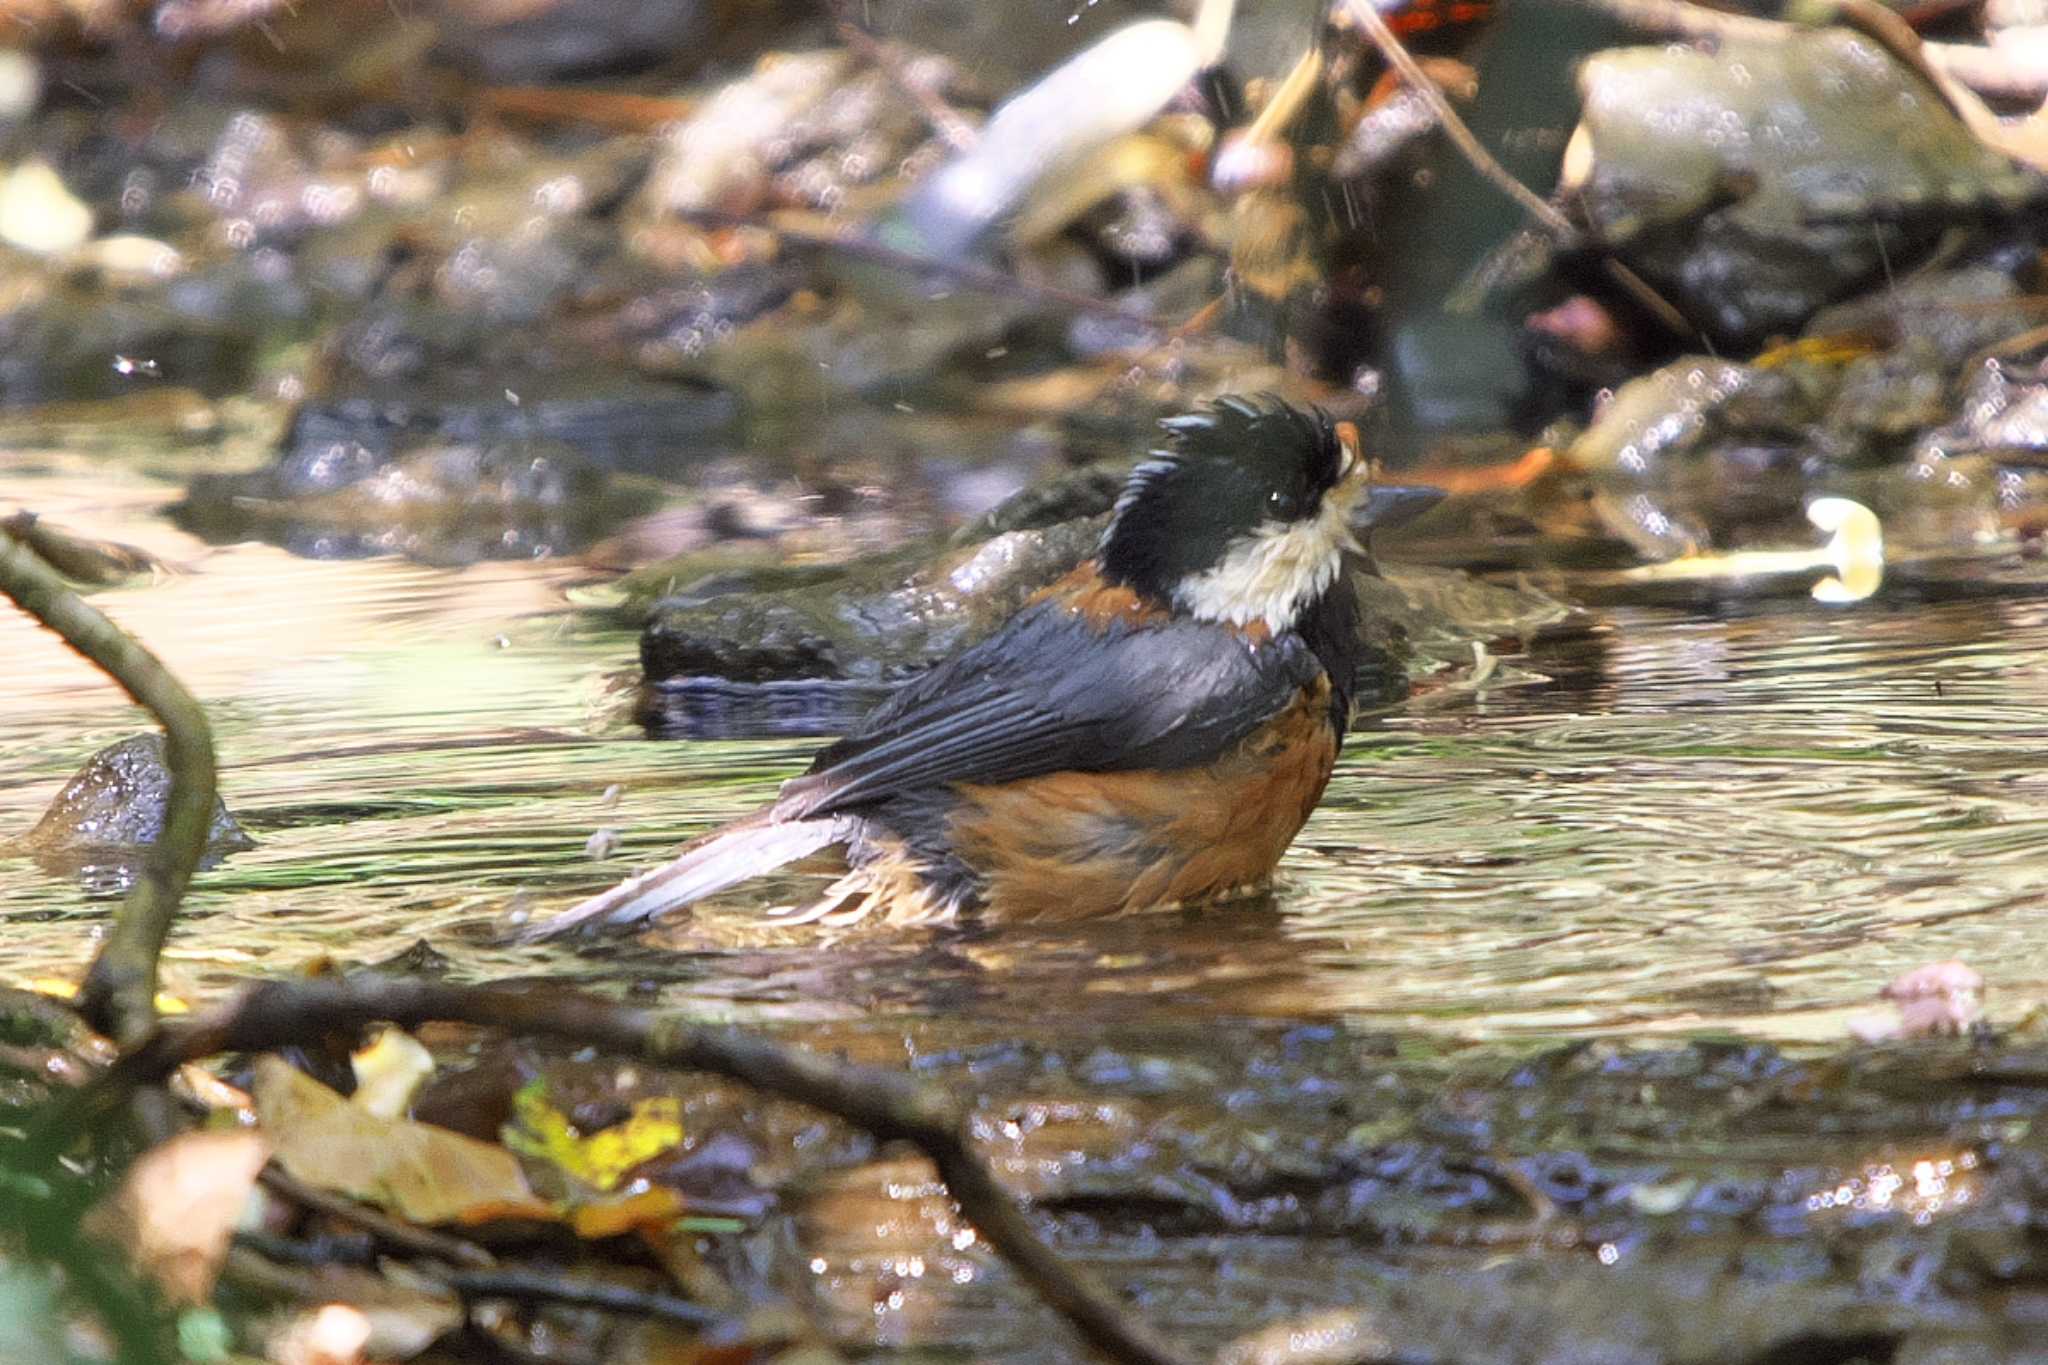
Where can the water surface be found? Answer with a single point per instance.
(1744, 821)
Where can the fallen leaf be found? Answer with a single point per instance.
(389, 1072)
(177, 1209)
(423, 1173)
(654, 1208)
(601, 1159)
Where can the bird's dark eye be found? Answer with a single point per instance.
(1281, 505)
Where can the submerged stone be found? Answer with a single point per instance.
(608, 420)
(1680, 454)
(439, 503)
(107, 816)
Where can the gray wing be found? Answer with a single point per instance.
(1050, 692)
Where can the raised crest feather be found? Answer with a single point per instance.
(1229, 518)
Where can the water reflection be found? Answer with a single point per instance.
(1747, 821)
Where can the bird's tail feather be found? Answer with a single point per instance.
(708, 866)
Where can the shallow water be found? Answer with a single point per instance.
(1691, 824)
(1748, 821)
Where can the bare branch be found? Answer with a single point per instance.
(1545, 214)
(119, 994)
(886, 1103)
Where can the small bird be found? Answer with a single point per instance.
(1152, 729)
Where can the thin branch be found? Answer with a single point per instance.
(955, 131)
(550, 1287)
(1367, 16)
(119, 993)
(887, 1104)
(1544, 213)
(420, 1241)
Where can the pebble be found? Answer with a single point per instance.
(38, 214)
(21, 84)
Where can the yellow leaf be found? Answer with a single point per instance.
(601, 1159)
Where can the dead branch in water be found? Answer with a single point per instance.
(888, 1104)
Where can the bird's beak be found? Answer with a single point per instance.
(1394, 504)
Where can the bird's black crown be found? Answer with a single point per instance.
(1226, 471)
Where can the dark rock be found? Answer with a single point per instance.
(507, 466)
(1760, 181)
(608, 420)
(521, 43)
(876, 621)
(439, 503)
(65, 340)
(732, 651)
(106, 817)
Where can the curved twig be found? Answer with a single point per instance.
(1368, 18)
(1545, 214)
(888, 1104)
(406, 1237)
(119, 994)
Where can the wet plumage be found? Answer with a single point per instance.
(1154, 728)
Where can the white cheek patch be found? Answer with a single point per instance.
(1274, 572)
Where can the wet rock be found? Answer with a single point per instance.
(521, 227)
(669, 326)
(1886, 400)
(267, 182)
(65, 339)
(878, 621)
(1985, 473)
(442, 503)
(1953, 313)
(525, 42)
(721, 157)
(106, 817)
(608, 420)
(1931, 330)
(843, 152)
(1758, 182)
(1680, 456)
(727, 647)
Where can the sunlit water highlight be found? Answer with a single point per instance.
(1744, 823)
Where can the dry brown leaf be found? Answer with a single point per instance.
(178, 1206)
(420, 1172)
